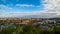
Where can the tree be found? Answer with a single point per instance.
(8, 30)
(57, 29)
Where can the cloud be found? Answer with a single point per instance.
(29, 14)
(36, 14)
(26, 5)
(51, 9)
(4, 7)
(51, 6)
(14, 14)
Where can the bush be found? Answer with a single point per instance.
(57, 29)
(7, 31)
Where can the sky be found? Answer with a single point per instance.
(17, 8)
(20, 5)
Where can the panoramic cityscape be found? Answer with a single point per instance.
(29, 16)
(46, 25)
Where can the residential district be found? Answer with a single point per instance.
(42, 22)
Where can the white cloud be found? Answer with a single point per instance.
(3, 10)
(24, 5)
(52, 9)
(51, 6)
(37, 14)
(4, 7)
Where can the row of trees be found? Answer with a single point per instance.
(27, 29)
